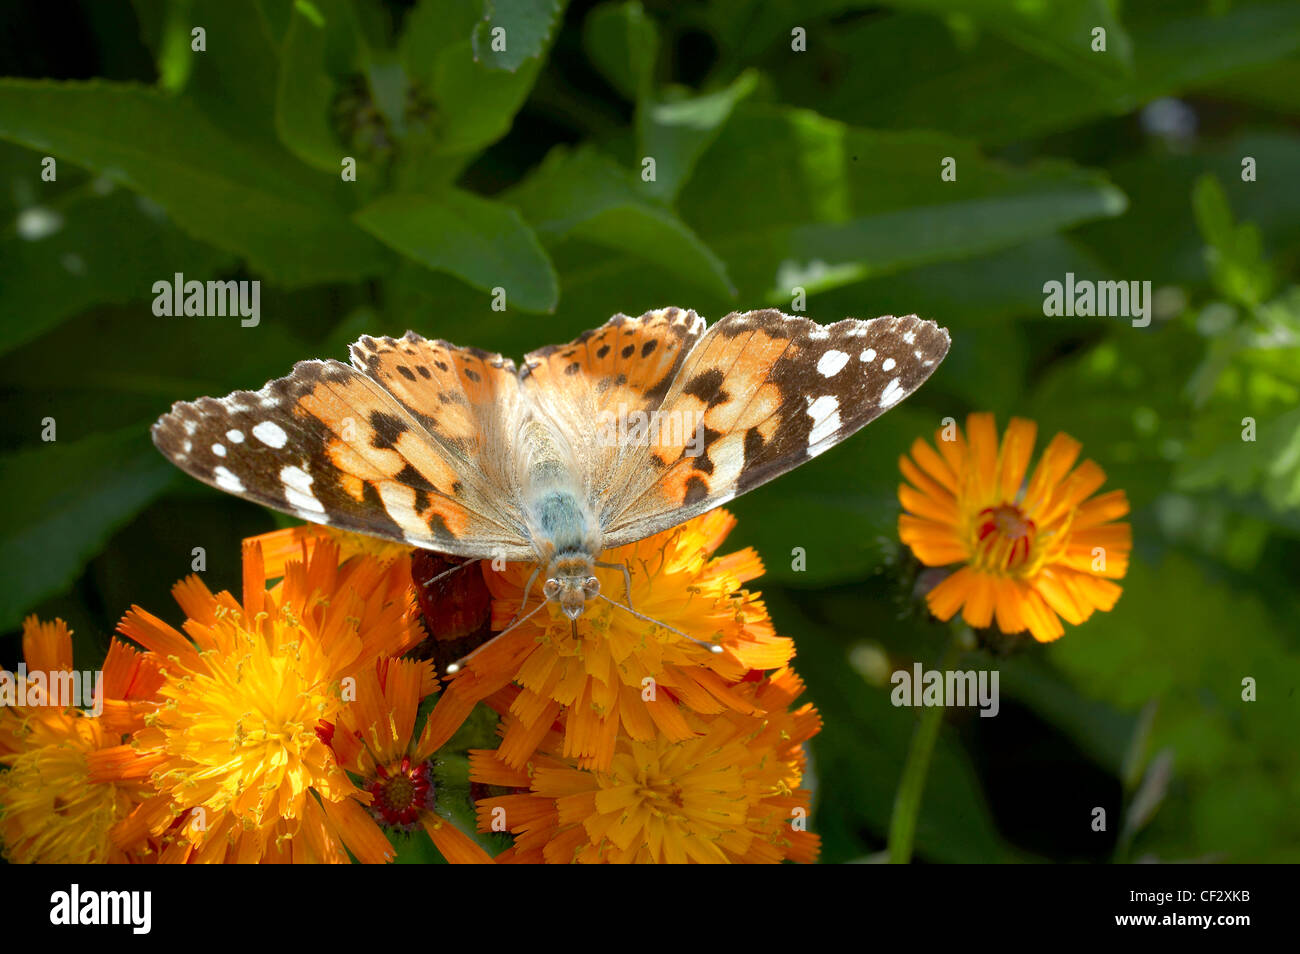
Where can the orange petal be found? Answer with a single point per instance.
(1013, 460)
(456, 846)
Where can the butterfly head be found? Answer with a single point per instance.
(571, 583)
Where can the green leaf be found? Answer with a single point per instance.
(65, 500)
(919, 76)
(1059, 31)
(831, 223)
(586, 195)
(1160, 186)
(526, 29)
(485, 243)
(622, 42)
(1269, 464)
(104, 248)
(675, 133)
(1234, 254)
(314, 59)
(472, 103)
(259, 205)
(233, 81)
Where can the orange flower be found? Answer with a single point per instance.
(729, 794)
(373, 740)
(233, 752)
(279, 547)
(51, 810)
(1029, 552)
(623, 674)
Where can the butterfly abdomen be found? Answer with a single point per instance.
(559, 518)
(562, 520)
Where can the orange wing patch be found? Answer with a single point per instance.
(330, 445)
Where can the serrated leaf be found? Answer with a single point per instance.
(526, 28)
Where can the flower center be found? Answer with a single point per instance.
(401, 792)
(662, 796)
(1004, 538)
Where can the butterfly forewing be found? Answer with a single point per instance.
(769, 391)
(330, 445)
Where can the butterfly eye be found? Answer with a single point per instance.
(590, 587)
(551, 589)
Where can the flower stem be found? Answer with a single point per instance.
(907, 800)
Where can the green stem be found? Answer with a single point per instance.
(907, 801)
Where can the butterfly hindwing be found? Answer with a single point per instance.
(767, 391)
(332, 445)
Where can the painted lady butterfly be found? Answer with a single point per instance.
(630, 429)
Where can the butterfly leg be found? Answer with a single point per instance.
(627, 579)
(528, 588)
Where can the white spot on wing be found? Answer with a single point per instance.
(219, 450)
(297, 489)
(271, 434)
(888, 365)
(831, 362)
(892, 394)
(228, 481)
(235, 437)
(869, 355)
(825, 412)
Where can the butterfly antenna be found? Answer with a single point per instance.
(711, 647)
(438, 576)
(455, 667)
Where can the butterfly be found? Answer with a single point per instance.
(628, 430)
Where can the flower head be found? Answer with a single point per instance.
(240, 770)
(728, 793)
(51, 811)
(374, 739)
(615, 671)
(1030, 551)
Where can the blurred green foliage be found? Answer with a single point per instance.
(794, 145)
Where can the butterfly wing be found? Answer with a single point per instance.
(405, 445)
(765, 392)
